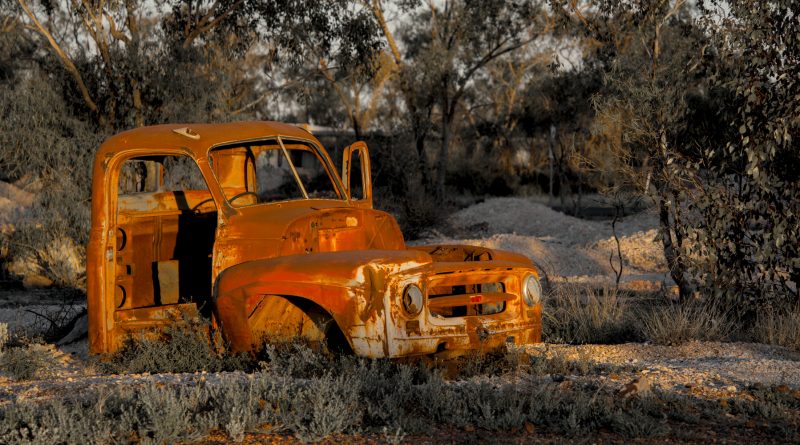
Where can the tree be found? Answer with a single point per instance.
(750, 201)
(651, 52)
(127, 70)
(447, 44)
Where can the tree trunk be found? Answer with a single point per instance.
(441, 163)
(356, 127)
(550, 159)
(674, 261)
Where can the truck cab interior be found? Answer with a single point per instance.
(165, 227)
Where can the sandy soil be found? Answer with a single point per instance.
(707, 369)
(566, 248)
(569, 249)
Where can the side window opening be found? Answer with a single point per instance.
(356, 179)
(166, 224)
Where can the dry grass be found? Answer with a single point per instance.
(779, 328)
(579, 314)
(677, 323)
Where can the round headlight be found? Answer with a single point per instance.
(531, 290)
(412, 299)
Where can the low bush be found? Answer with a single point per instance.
(577, 314)
(27, 360)
(181, 347)
(357, 395)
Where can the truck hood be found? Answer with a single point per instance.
(312, 226)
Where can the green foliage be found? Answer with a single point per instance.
(750, 199)
(47, 151)
(699, 111)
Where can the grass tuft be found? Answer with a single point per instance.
(27, 361)
(578, 314)
(677, 323)
(779, 328)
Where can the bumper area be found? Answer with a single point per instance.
(456, 336)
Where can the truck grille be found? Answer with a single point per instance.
(465, 300)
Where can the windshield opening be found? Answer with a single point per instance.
(271, 171)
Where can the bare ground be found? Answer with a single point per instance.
(570, 250)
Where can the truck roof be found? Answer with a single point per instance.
(199, 137)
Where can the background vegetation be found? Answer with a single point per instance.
(691, 106)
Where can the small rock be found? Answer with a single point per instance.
(730, 388)
(638, 386)
(35, 280)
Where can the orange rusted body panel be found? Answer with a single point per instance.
(260, 267)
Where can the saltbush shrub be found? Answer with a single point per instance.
(185, 346)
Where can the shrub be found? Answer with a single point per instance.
(575, 314)
(373, 396)
(27, 361)
(49, 152)
(294, 358)
(326, 406)
(677, 323)
(181, 347)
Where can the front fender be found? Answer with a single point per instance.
(348, 285)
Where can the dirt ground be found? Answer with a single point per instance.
(569, 250)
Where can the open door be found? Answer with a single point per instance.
(356, 174)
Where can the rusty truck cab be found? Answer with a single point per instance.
(249, 224)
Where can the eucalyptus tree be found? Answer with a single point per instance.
(442, 47)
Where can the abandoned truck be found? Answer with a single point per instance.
(249, 225)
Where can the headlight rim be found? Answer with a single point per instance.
(403, 303)
(530, 300)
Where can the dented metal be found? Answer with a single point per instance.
(328, 268)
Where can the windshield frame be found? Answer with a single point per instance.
(316, 149)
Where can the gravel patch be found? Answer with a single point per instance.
(709, 369)
(565, 247)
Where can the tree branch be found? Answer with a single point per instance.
(68, 64)
(206, 24)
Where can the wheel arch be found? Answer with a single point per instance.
(323, 304)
